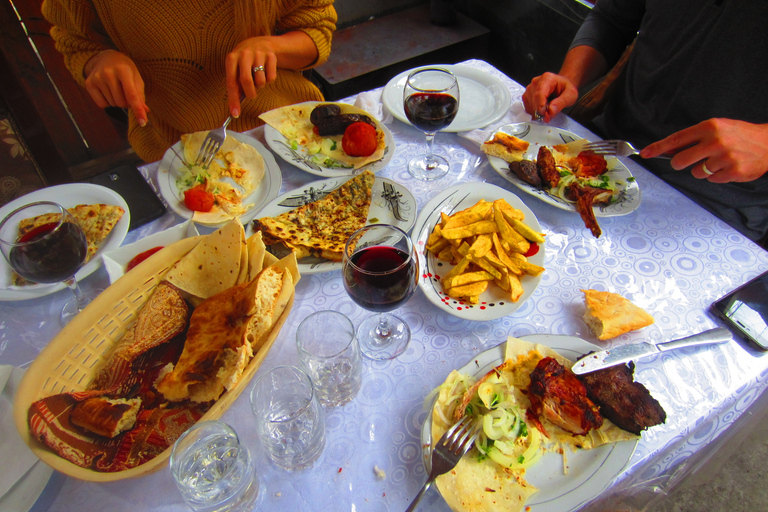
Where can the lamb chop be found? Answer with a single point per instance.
(585, 197)
(625, 402)
(559, 396)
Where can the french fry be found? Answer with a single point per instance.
(482, 262)
(471, 215)
(526, 266)
(469, 290)
(515, 287)
(526, 231)
(517, 243)
(467, 278)
(480, 247)
(509, 211)
(504, 258)
(476, 228)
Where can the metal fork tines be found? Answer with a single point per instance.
(211, 144)
(447, 452)
(611, 147)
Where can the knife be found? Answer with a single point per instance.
(625, 353)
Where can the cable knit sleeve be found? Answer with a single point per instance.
(317, 18)
(77, 33)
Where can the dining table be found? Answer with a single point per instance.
(669, 256)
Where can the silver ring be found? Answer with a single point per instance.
(706, 171)
(258, 68)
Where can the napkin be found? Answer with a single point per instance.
(12, 448)
(515, 114)
(370, 101)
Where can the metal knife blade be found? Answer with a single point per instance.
(634, 351)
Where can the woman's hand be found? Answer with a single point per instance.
(549, 94)
(113, 80)
(292, 50)
(723, 150)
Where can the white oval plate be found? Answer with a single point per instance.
(391, 203)
(494, 302)
(67, 196)
(171, 166)
(483, 98)
(299, 158)
(115, 261)
(589, 471)
(538, 134)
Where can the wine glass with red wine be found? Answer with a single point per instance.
(380, 270)
(50, 251)
(431, 101)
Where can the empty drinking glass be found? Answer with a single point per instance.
(289, 418)
(213, 470)
(330, 355)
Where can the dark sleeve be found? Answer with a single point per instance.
(611, 27)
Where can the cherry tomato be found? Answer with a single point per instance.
(198, 199)
(141, 257)
(359, 139)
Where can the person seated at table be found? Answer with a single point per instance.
(182, 67)
(693, 85)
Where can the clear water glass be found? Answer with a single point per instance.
(289, 418)
(213, 470)
(330, 355)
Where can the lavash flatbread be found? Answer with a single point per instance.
(292, 121)
(322, 227)
(482, 485)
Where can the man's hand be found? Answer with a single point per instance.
(730, 150)
(113, 80)
(549, 94)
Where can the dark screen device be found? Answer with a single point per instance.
(127, 181)
(745, 311)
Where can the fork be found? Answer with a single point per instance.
(616, 148)
(447, 452)
(211, 144)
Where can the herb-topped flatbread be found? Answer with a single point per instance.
(325, 146)
(321, 228)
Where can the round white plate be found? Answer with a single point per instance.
(494, 302)
(171, 167)
(483, 98)
(299, 157)
(589, 471)
(538, 134)
(391, 203)
(68, 196)
(115, 261)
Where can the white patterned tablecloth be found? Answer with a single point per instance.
(669, 256)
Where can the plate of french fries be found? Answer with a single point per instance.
(481, 251)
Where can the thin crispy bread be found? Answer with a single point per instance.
(610, 315)
(506, 147)
(322, 227)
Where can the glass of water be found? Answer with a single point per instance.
(330, 355)
(213, 470)
(289, 418)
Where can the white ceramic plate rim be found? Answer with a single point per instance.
(468, 117)
(379, 212)
(629, 198)
(452, 199)
(278, 143)
(590, 472)
(116, 260)
(68, 195)
(268, 189)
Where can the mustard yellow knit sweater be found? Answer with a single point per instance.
(179, 48)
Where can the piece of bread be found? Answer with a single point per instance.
(610, 315)
(104, 416)
(506, 147)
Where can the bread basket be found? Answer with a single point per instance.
(73, 357)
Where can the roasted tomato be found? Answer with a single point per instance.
(359, 139)
(141, 257)
(198, 199)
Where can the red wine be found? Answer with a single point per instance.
(431, 112)
(374, 283)
(56, 255)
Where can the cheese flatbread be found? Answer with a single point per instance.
(292, 121)
(322, 227)
(610, 315)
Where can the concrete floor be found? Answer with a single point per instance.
(734, 481)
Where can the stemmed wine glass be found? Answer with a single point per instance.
(380, 269)
(431, 101)
(50, 253)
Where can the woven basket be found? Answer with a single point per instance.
(72, 358)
